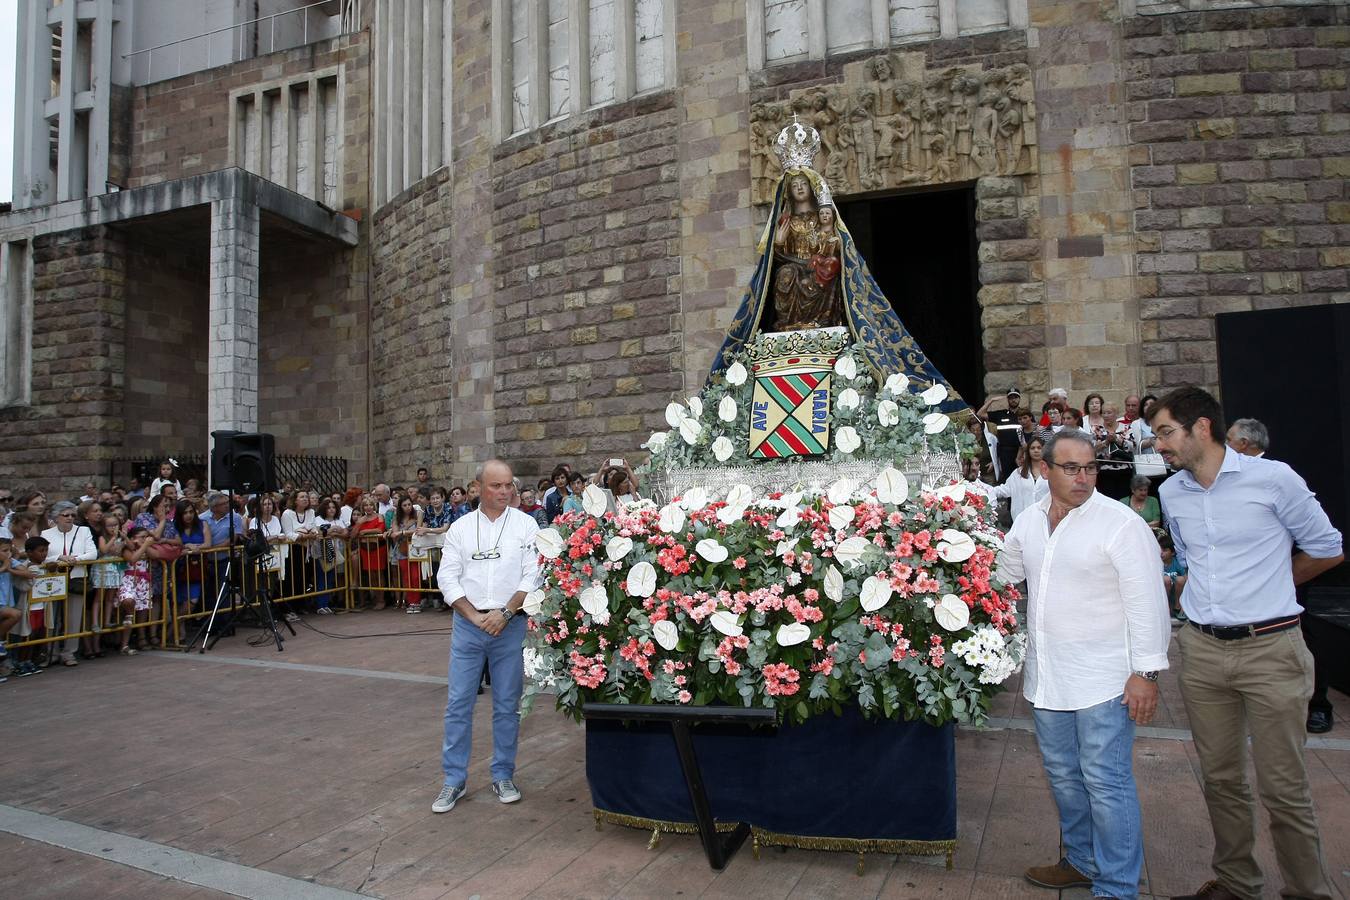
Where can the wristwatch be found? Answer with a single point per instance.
(1148, 676)
(508, 615)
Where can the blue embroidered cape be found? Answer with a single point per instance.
(877, 331)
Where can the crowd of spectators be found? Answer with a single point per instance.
(118, 544)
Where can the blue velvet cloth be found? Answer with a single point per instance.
(831, 777)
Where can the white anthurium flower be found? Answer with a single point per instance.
(722, 448)
(792, 635)
(736, 374)
(892, 486)
(740, 495)
(955, 546)
(711, 550)
(727, 623)
(789, 517)
(951, 612)
(888, 413)
(641, 580)
(675, 414)
(694, 499)
(876, 593)
(618, 547)
(897, 383)
(849, 552)
(841, 491)
(690, 430)
(936, 422)
(726, 410)
(834, 584)
(784, 547)
(534, 601)
(671, 518)
(955, 491)
(848, 399)
(657, 441)
(934, 395)
(549, 543)
(841, 516)
(695, 406)
(594, 599)
(846, 368)
(847, 440)
(593, 501)
(666, 634)
(790, 500)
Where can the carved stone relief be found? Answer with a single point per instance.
(893, 123)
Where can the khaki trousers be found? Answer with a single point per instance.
(1260, 686)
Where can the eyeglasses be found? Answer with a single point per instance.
(1072, 469)
(6, 499)
(486, 554)
(65, 515)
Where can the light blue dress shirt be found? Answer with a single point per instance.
(1237, 537)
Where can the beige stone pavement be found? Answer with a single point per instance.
(260, 758)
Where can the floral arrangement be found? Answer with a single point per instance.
(870, 419)
(860, 595)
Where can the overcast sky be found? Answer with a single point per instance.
(9, 14)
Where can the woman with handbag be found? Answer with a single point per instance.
(327, 553)
(70, 545)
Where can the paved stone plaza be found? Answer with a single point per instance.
(311, 774)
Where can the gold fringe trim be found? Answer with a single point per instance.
(656, 826)
(762, 838)
(856, 845)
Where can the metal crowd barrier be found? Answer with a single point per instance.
(363, 572)
(61, 613)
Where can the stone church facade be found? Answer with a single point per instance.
(423, 233)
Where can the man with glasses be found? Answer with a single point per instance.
(1235, 521)
(488, 564)
(1098, 628)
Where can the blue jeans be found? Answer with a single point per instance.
(470, 646)
(323, 581)
(1088, 756)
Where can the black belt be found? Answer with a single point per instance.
(1255, 629)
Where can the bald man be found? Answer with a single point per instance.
(488, 564)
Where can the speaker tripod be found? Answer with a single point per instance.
(255, 551)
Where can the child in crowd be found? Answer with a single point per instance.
(1174, 576)
(107, 576)
(31, 622)
(133, 595)
(9, 613)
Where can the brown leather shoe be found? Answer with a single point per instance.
(1210, 890)
(1059, 876)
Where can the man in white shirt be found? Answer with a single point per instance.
(383, 503)
(488, 564)
(1098, 628)
(1250, 437)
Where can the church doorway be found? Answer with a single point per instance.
(922, 250)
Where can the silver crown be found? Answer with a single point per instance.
(823, 195)
(797, 146)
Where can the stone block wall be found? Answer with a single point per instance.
(584, 325)
(181, 126)
(312, 372)
(74, 423)
(411, 360)
(165, 374)
(1242, 124)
